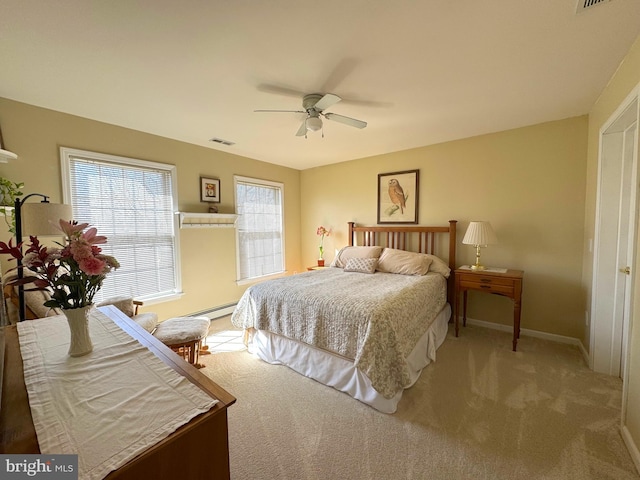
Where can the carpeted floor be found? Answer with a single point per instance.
(480, 411)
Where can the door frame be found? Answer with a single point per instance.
(604, 355)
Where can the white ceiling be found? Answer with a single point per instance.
(419, 72)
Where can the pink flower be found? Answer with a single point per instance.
(111, 262)
(80, 251)
(71, 229)
(323, 231)
(92, 265)
(91, 237)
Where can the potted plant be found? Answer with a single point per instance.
(322, 232)
(9, 191)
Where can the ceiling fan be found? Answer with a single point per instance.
(314, 106)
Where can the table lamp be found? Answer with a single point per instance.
(479, 234)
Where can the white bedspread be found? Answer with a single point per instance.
(375, 320)
(107, 406)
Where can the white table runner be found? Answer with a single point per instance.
(107, 406)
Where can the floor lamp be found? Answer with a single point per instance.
(37, 219)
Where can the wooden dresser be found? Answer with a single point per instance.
(199, 449)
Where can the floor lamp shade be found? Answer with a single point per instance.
(43, 218)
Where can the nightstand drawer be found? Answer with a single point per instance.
(487, 287)
(485, 279)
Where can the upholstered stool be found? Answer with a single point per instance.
(184, 336)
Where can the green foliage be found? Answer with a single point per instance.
(9, 191)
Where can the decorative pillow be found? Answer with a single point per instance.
(361, 265)
(404, 263)
(439, 266)
(346, 253)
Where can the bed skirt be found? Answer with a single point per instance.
(340, 372)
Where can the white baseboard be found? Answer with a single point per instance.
(216, 312)
(585, 354)
(631, 446)
(530, 333)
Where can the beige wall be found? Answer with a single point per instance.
(623, 82)
(528, 182)
(207, 255)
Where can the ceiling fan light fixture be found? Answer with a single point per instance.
(313, 124)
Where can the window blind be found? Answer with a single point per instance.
(133, 206)
(260, 240)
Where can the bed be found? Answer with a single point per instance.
(368, 324)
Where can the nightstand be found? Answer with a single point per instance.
(316, 267)
(508, 284)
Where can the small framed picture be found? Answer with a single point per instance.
(398, 197)
(209, 190)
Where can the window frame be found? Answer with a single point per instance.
(265, 183)
(66, 155)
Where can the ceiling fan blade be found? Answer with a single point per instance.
(366, 103)
(282, 111)
(302, 131)
(346, 120)
(326, 101)
(279, 90)
(340, 72)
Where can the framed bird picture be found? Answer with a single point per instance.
(398, 197)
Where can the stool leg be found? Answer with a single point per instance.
(192, 354)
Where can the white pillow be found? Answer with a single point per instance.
(439, 266)
(361, 265)
(346, 253)
(403, 262)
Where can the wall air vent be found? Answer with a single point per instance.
(587, 4)
(221, 141)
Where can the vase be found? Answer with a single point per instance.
(321, 262)
(78, 319)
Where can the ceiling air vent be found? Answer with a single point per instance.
(221, 141)
(587, 4)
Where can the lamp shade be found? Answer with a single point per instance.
(480, 233)
(43, 218)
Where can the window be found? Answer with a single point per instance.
(259, 229)
(131, 202)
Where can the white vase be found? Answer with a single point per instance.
(80, 343)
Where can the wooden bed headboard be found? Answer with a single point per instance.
(419, 238)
